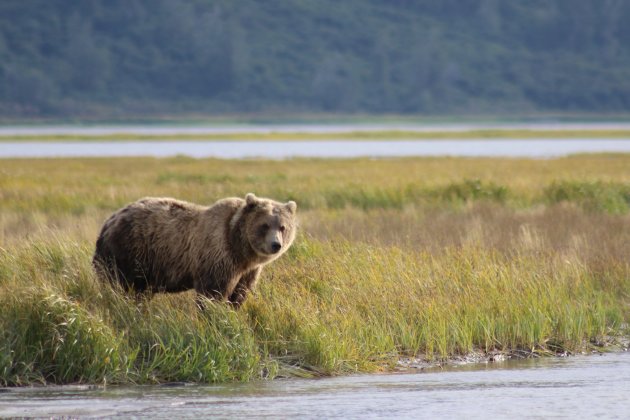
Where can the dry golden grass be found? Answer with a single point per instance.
(430, 257)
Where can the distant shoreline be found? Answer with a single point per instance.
(316, 118)
(359, 135)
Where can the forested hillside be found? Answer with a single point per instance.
(64, 58)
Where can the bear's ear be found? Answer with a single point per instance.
(291, 206)
(251, 202)
(251, 199)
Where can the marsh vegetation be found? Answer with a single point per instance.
(423, 257)
(361, 135)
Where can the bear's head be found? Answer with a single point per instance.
(270, 225)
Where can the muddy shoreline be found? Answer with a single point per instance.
(419, 363)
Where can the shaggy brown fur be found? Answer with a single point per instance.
(166, 245)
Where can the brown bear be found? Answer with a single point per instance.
(167, 245)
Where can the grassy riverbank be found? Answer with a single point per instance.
(351, 135)
(431, 258)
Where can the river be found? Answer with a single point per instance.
(531, 148)
(243, 149)
(595, 386)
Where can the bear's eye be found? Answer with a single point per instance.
(265, 226)
(282, 228)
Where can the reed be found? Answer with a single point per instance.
(83, 186)
(430, 258)
(327, 308)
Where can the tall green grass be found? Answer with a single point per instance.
(430, 258)
(84, 186)
(60, 324)
(326, 308)
(608, 197)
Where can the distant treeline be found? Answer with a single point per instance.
(65, 58)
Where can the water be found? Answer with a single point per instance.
(534, 148)
(576, 387)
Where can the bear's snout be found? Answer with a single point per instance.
(273, 242)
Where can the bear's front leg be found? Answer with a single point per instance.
(246, 283)
(214, 285)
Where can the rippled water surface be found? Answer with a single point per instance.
(576, 387)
